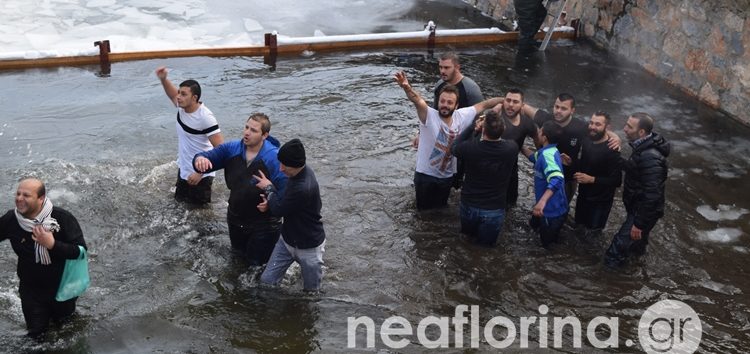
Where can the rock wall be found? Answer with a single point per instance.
(700, 46)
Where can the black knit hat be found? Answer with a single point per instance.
(292, 154)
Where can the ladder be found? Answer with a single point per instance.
(556, 17)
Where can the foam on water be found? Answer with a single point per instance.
(50, 28)
(722, 212)
(721, 235)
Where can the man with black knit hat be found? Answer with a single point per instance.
(302, 235)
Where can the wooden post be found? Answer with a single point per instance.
(104, 63)
(431, 39)
(273, 50)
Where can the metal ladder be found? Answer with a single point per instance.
(556, 16)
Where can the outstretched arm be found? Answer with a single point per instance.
(413, 96)
(169, 88)
(529, 110)
(487, 104)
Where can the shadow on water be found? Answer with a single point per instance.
(164, 278)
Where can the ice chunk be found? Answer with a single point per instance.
(727, 174)
(722, 212)
(721, 235)
(100, 3)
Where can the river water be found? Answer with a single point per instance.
(163, 276)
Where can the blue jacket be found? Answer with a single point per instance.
(548, 175)
(244, 196)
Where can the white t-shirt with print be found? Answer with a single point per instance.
(434, 156)
(189, 144)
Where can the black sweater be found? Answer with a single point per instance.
(299, 204)
(603, 163)
(488, 167)
(43, 279)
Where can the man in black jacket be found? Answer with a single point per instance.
(302, 235)
(44, 237)
(643, 192)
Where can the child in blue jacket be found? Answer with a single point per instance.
(551, 206)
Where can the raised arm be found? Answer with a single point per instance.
(529, 110)
(413, 96)
(169, 88)
(488, 104)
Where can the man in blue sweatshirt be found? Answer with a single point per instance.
(549, 185)
(302, 235)
(251, 232)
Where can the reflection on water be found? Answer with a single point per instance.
(163, 275)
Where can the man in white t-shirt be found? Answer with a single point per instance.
(197, 131)
(438, 129)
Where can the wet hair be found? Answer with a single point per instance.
(516, 91)
(450, 89)
(262, 118)
(41, 191)
(552, 131)
(603, 114)
(645, 121)
(194, 87)
(494, 125)
(452, 56)
(567, 97)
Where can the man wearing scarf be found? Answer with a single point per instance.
(44, 237)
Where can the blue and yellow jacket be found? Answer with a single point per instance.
(548, 175)
(244, 196)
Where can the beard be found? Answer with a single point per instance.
(596, 136)
(445, 112)
(509, 113)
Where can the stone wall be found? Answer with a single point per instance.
(700, 46)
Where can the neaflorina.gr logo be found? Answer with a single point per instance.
(670, 326)
(666, 327)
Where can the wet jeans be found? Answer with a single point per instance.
(309, 259)
(482, 225)
(623, 246)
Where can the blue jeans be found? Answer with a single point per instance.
(623, 246)
(309, 259)
(482, 225)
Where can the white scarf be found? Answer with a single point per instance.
(49, 224)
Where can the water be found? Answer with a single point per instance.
(163, 277)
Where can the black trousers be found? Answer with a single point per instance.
(591, 214)
(531, 15)
(38, 309)
(198, 194)
(255, 243)
(432, 192)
